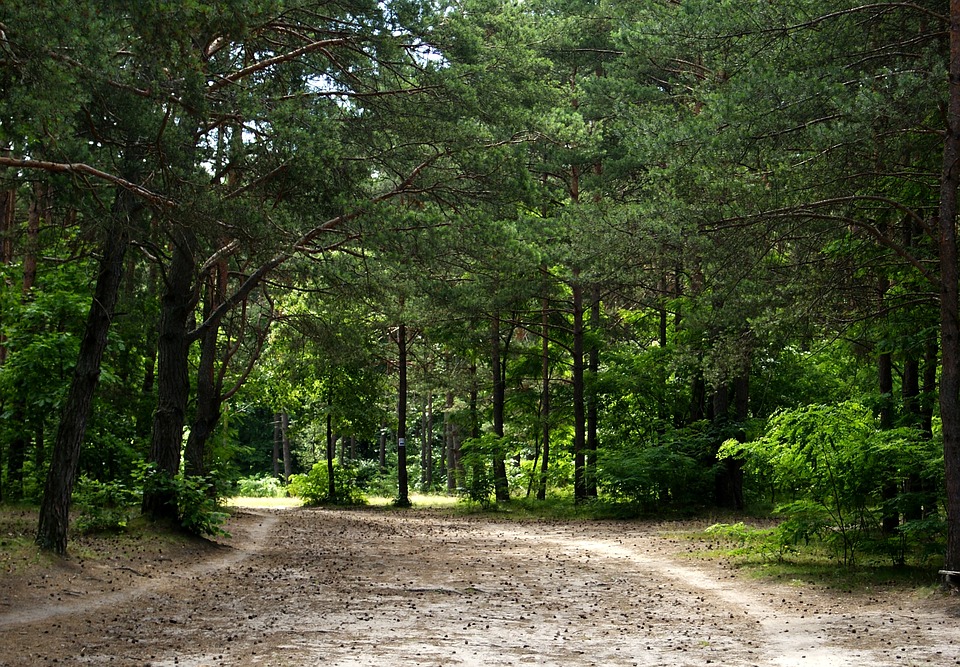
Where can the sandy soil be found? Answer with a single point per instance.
(349, 588)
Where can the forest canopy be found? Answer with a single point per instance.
(669, 255)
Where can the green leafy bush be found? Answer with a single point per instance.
(314, 488)
(263, 486)
(834, 462)
(199, 508)
(198, 504)
(476, 457)
(103, 506)
(664, 471)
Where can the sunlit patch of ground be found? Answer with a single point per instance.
(418, 500)
(262, 503)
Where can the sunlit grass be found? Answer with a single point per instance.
(418, 500)
(263, 503)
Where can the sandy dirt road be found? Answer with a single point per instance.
(362, 587)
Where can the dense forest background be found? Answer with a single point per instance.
(670, 254)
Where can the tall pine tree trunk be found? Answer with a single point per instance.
(544, 398)
(209, 398)
(65, 458)
(593, 408)
(501, 490)
(173, 383)
(579, 412)
(276, 445)
(448, 436)
(403, 491)
(950, 298)
(331, 481)
(285, 446)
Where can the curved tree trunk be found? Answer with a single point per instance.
(57, 492)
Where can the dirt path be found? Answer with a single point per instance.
(345, 588)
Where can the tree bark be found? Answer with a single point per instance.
(544, 399)
(285, 446)
(403, 492)
(501, 490)
(331, 483)
(173, 383)
(593, 408)
(276, 445)
(383, 449)
(579, 412)
(65, 458)
(448, 444)
(208, 404)
(950, 298)
(427, 466)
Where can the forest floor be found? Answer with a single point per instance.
(380, 587)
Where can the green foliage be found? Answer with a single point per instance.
(660, 472)
(199, 508)
(260, 486)
(834, 462)
(198, 505)
(103, 506)
(476, 456)
(314, 489)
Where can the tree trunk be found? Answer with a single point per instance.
(403, 493)
(207, 412)
(276, 445)
(383, 449)
(579, 413)
(17, 450)
(544, 398)
(950, 298)
(8, 210)
(331, 445)
(593, 409)
(501, 490)
(173, 383)
(285, 446)
(55, 506)
(209, 399)
(427, 466)
(741, 391)
(891, 518)
(448, 444)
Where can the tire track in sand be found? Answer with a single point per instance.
(248, 544)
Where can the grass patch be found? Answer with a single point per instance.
(263, 503)
(432, 501)
(755, 551)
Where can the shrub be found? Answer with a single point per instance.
(835, 462)
(314, 488)
(264, 486)
(663, 472)
(199, 508)
(198, 503)
(103, 506)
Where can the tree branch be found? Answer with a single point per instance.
(87, 170)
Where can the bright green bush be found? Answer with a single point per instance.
(833, 463)
(198, 502)
(314, 488)
(103, 506)
(263, 486)
(663, 471)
